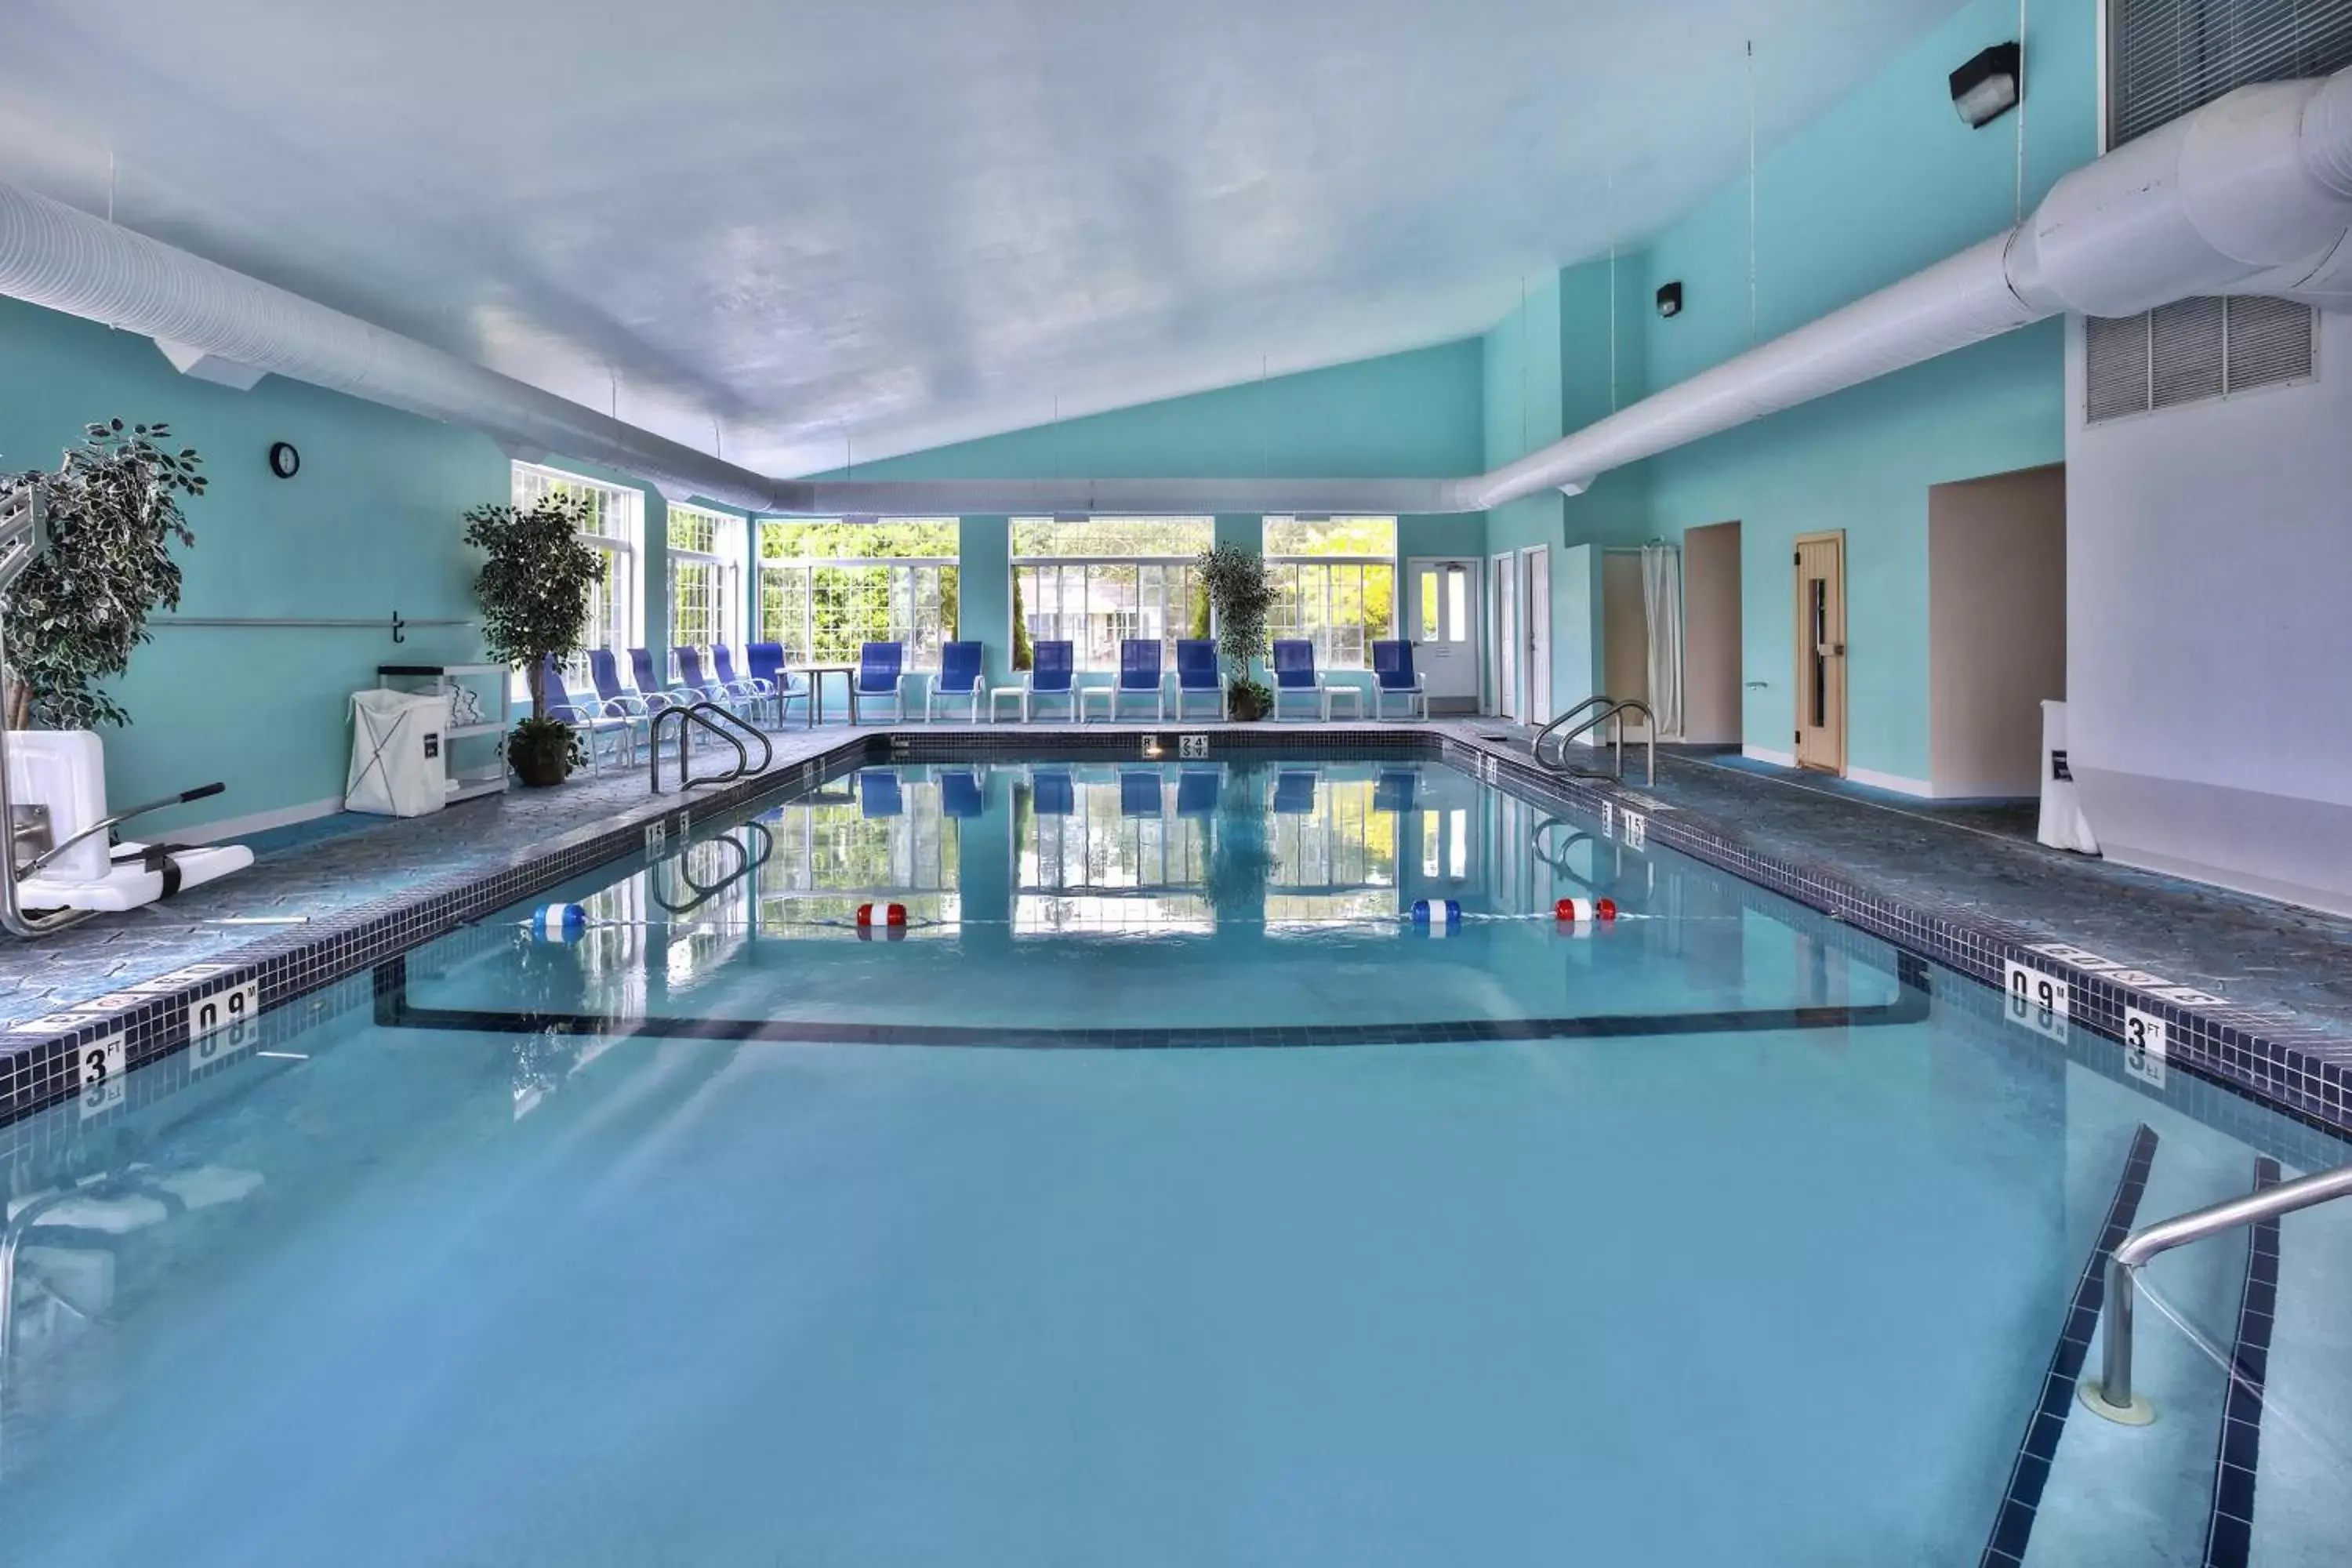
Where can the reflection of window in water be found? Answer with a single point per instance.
(1337, 863)
(1101, 868)
(830, 858)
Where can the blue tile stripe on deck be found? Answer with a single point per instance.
(2230, 1531)
(2013, 1526)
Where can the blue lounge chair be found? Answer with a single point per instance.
(1197, 790)
(1394, 678)
(766, 660)
(656, 692)
(1294, 794)
(881, 673)
(1052, 673)
(1197, 676)
(1140, 676)
(960, 794)
(1141, 793)
(1394, 790)
(1052, 792)
(959, 679)
(1295, 676)
(754, 695)
(878, 793)
(619, 701)
(699, 685)
(588, 720)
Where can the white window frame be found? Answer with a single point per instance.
(907, 577)
(724, 562)
(617, 529)
(1325, 657)
(1173, 605)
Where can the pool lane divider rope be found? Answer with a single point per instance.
(570, 922)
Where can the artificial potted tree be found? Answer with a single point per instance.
(534, 590)
(1241, 592)
(81, 608)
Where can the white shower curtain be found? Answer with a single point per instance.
(1662, 599)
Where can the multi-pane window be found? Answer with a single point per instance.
(706, 553)
(1335, 585)
(829, 586)
(1095, 582)
(616, 526)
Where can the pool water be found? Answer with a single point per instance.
(1162, 1194)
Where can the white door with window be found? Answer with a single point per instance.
(1535, 622)
(1441, 617)
(1502, 595)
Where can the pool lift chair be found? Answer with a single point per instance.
(60, 868)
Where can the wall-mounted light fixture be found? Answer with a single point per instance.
(1670, 299)
(1990, 85)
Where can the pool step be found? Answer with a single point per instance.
(2228, 1530)
(2302, 1513)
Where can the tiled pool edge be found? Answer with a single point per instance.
(2301, 1072)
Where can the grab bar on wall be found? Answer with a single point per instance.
(2112, 1395)
(398, 623)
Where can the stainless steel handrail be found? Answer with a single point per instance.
(1559, 719)
(1617, 709)
(2112, 1395)
(714, 718)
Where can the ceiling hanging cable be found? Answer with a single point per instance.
(1751, 190)
(2017, 207)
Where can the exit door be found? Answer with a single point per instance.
(1442, 619)
(1820, 651)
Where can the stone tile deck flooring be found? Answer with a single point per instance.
(2256, 952)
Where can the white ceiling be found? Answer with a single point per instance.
(899, 223)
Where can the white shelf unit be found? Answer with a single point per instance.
(479, 775)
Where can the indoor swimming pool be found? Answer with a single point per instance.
(1161, 1191)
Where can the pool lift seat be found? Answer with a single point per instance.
(53, 797)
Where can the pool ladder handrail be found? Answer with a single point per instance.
(718, 721)
(2112, 1395)
(1611, 708)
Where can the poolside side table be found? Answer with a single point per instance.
(1354, 694)
(1109, 696)
(816, 674)
(1018, 695)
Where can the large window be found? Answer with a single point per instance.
(827, 587)
(706, 575)
(1097, 581)
(1335, 585)
(615, 526)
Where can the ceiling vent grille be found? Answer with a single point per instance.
(2166, 58)
(2193, 351)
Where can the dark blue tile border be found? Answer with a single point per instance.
(2013, 1526)
(2230, 1530)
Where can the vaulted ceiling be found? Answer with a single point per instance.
(793, 230)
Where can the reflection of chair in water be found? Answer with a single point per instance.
(1141, 793)
(960, 794)
(878, 793)
(1052, 792)
(1196, 792)
(1394, 790)
(1294, 794)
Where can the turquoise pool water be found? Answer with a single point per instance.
(1174, 1200)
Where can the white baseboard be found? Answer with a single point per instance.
(259, 822)
(1778, 759)
(1895, 781)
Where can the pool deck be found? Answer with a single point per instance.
(2269, 957)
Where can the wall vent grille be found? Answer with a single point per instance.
(2166, 58)
(2194, 350)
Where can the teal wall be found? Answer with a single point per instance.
(369, 525)
(1886, 183)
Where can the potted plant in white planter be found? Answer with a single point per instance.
(80, 608)
(534, 590)
(1242, 595)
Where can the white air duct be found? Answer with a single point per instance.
(2252, 193)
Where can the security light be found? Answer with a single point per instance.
(1990, 86)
